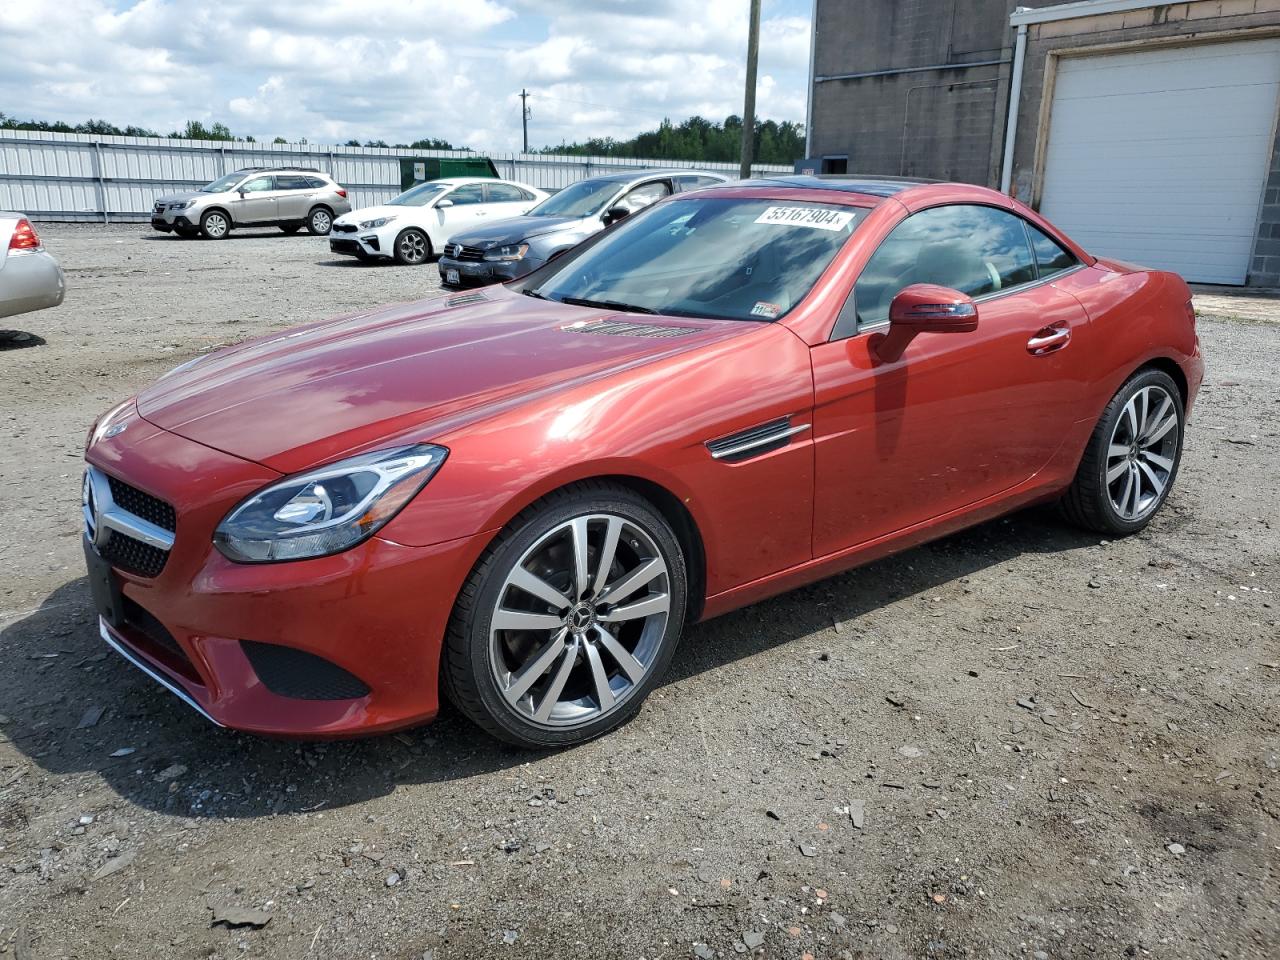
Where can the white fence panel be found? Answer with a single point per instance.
(72, 176)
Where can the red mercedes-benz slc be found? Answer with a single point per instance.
(522, 495)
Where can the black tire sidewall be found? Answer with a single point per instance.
(622, 503)
(1115, 409)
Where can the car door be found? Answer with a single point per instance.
(293, 196)
(255, 201)
(465, 209)
(505, 200)
(960, 417)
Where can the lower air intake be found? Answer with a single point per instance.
(288, 672)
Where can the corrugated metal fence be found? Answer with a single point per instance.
(74, 176)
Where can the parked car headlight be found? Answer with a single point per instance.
(327, 510)
(512, 251)
(181, 205)
(374, 224)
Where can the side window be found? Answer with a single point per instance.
(471, 193)
(976, 250)
(688, 183)
(643, 195)
(291, 181)
(504, 193)
(1050, 257)
(315, 183)
(257, 185)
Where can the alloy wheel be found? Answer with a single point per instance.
(215, 225)
(579, 621)
(321, 222)
(1142, 453)
(413, 247)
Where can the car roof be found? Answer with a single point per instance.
(629, 175)
(846, 183)
(280, 169)
(462, 181)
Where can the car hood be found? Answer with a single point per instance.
(373, 213)
(513, 230)
(404, 373)
(186, 195)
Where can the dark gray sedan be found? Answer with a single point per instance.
(30, 279)
(508, 249)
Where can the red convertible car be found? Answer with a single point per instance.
(521, 495)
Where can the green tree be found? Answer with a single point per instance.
(699, 140)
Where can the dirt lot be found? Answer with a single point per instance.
(1020, 741)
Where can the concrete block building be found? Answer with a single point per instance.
(1147, 131)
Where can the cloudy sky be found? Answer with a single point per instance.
(397, 70)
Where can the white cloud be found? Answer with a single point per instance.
(398, 70)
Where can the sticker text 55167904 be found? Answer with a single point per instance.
(815, 218)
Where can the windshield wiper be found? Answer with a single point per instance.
(534, 293)
(606, 305)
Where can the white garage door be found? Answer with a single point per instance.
(1161, 157)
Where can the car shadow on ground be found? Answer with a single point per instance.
(72, 706)
(242, 233)
(19, 340)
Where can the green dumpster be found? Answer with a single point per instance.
(418, 169)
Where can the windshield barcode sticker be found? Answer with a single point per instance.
(816, 218)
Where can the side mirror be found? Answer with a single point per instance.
(443, 204)
(242, 191)
(925, 308)
(614, 214)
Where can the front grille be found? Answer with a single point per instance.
(628, 328)
(459, 252)
(344, 246)
(289, 672)
(144, 505)
(133, 556)
(344, 228)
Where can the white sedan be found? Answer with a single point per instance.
(414, 226)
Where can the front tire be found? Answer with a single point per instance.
(1132, 458)
(320, 221)
(569, 619)
(215, 225)
(412, 247)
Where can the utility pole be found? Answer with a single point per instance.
(749, 105)
(524, 117)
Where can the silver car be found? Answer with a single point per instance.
(286, 197)
(30, 279)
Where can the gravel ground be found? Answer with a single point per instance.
(1019, 741)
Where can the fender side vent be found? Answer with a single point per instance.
(755, 441)
(627, 328)
(463, 299)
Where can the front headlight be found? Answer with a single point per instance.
(375, 224)
(512, 251)
(327, 510)
(182, 205)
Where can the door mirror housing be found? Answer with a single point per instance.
(614, 214)
(444, 204)
(242, 191)
(925, 308)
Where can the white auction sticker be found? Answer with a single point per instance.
(816, 218)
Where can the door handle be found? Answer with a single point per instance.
(1048, 340)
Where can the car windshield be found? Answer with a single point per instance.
(420, 195)
(223, 184)
(725, 258)
(582, 199)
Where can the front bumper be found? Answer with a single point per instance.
(480, 272)
(30, 280)
(360, 243)
(166, 220)
(210, 630)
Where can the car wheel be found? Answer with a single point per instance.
(291, 228)
(412, 247)
(569, 618)
(320, 221)
(1132, 458)
(215, 225)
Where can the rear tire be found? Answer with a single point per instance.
(320, 221)
(1132, 458)
(215, 225)
(583, 647)
(412, 247)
